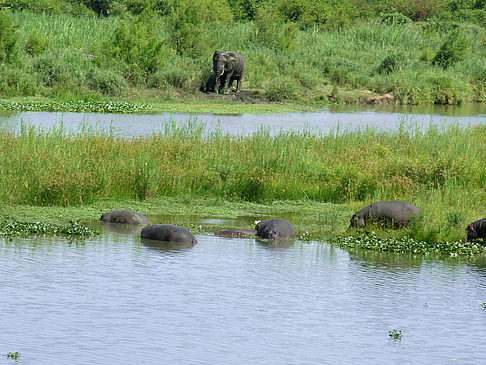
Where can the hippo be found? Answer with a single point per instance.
(168, 233)
(476, 230)
(125, 216)
(395, 213)
(275, 229)
(235, 233)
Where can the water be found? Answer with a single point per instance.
(114, 300)
(331, 118)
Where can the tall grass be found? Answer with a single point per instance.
(439, 169)
(63, 54)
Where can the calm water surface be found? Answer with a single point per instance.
(115, 300)
(331, 118)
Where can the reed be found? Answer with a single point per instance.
(438, 169)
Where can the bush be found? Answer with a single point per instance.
(38, 6)
(108, 82)
(389, 64)
(15, 81)
(187, 20)
(36, 43)
(453, 50)
(8, 38)
(136, 43)
(272, 31)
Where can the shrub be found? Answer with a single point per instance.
(137, 44)
(272, 31)
(8, 38)
(15, 81)
(108, 82)
(187, 19)
(453, 50)
(36, 43)
(389, 64)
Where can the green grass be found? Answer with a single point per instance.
(437, 169)
(76, 58)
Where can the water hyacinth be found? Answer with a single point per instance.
(12, 228)
(119, 107)
(406, 244)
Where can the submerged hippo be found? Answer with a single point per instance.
(395, 213)
(168, 233)
(476, 230)
(235, 233)
(275, 229)
(125, 216)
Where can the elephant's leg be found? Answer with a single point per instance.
(229, 86)
(238, 85)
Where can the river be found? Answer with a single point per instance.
(330, 119)
(113, 299)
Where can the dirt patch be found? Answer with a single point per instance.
(386, 99)
(245, 96)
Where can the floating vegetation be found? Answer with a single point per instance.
(395, 334)
(10, 229)
(483, 305)
(409, 245)
(12, 355)
(119, 107)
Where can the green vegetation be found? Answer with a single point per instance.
(409, 245)
(436, 169)
(92, 107)
(395, 334)
(13, 228)
(422, 52)
(12, 355)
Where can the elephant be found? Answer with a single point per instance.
(125, 216)
(476, 230)
(235, 233)
(227, 67)
(275, 229)
(395, 213)
(168, 233)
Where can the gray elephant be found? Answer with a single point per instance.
(168, 233)
(227, 67)
(275, 229)
(395, 213)
(476, 230)
(125, 216)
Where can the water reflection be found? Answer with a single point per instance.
(122, 228)
(275, 244)
(165, 246)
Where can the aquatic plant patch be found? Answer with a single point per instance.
(119, 107)
(395, 334)
(12, 355)
(409, 245)
(10, 229)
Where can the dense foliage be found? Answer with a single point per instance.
(420, 51)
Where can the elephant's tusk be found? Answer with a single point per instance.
(222, 72)
(212, 71)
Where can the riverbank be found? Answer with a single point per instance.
(313, 221)
(436, 169)
(379, 60)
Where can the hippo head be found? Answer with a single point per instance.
(355, 222)
(471, 232)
